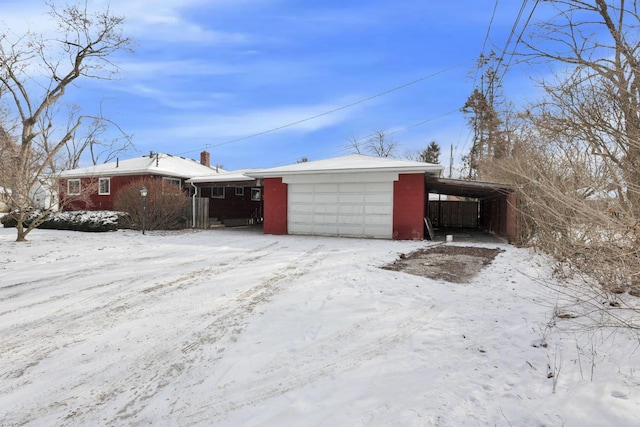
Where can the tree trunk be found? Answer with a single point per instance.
(22, 234)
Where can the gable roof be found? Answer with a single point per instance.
(152, 164)
(350, 163)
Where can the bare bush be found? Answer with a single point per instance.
(574, 156)
(165, 205)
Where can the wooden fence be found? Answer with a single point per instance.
(202, 212)
(453, 214)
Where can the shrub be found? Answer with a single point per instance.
(165, 205)
(93, 221)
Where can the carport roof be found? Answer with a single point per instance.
(463, 188)
(235, 176)
(350, 163)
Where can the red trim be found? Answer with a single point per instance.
(275, 206)
(408, 207)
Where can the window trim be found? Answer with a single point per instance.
(256, 194)
(77, 181)
(239, 191)
(174, 181)
(219, 196)
(108, 181)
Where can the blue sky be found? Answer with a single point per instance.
(206, 73)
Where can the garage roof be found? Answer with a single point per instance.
(350, 163)
(463, 188)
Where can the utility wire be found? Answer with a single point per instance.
(493, 15)
(494, 79)
(423, 122)
(484, 45)
(518, 40)
(386, 92)
(366, 137)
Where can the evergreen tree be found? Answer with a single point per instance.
(431, 154)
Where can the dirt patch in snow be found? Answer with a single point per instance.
(456, 264)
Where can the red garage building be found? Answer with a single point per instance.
(355, 196)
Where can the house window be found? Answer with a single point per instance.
(104, 186)
(73, 187)
(173, 181)
(239, 191)
(256, 194)
(217, 192)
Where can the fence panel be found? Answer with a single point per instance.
(201, 210)
(454, 214)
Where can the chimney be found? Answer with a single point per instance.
(205, 158)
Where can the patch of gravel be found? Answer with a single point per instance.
(456, 264)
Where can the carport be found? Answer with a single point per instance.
(476, 205)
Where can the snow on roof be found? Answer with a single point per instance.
(152, 164)
(237, 175)
(350, 163)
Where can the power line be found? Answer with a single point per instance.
(431, 119)
(493, 15)
(484, 45)
(424, 121)
(386, 92)
(495, 80)
(518, 40)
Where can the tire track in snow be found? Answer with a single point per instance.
(343, 352)
(96, 269)
(18, 344)
(213, 338)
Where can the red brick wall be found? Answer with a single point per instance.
(408, 207)
(275, 206)
(94, 201)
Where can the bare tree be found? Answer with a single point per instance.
(378, 144)
(35, 73)
(574, 156)
(483, 116)
(91, 140)
(598, 100)
(355, 144)
(381, 145)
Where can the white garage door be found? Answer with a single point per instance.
(363, 209)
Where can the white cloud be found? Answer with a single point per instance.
(179, 100)
(166, 21)
(165, 69)
(248, 122)
(163, 21)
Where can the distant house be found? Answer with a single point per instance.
(355, 196)
(104, 181)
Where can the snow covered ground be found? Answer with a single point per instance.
(236, 328)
